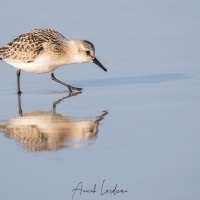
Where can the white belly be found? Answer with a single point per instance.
(42, 64)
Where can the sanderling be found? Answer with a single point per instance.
(44, 50)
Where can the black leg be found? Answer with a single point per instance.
(19, 105)
(18, 81)
(67, 85)
(60, 100)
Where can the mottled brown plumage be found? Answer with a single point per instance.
(29, 45)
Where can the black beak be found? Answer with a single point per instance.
(95, 61)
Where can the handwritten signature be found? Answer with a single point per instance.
(79, 189)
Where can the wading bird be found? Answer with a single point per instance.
(44, 50)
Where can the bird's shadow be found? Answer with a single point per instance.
(148, 79)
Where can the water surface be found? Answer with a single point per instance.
(134, 128)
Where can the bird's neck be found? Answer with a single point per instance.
(73, 54)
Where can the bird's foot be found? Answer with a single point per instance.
(19, 92)
(74, 88)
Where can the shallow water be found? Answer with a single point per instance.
(136, 126)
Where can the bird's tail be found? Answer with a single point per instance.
(2, 50)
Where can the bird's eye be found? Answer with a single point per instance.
(88, 53)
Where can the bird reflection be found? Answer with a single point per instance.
(50, 131)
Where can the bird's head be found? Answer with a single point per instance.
(84, 51)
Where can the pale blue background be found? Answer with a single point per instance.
(149, 141)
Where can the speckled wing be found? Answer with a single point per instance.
(28, 46)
